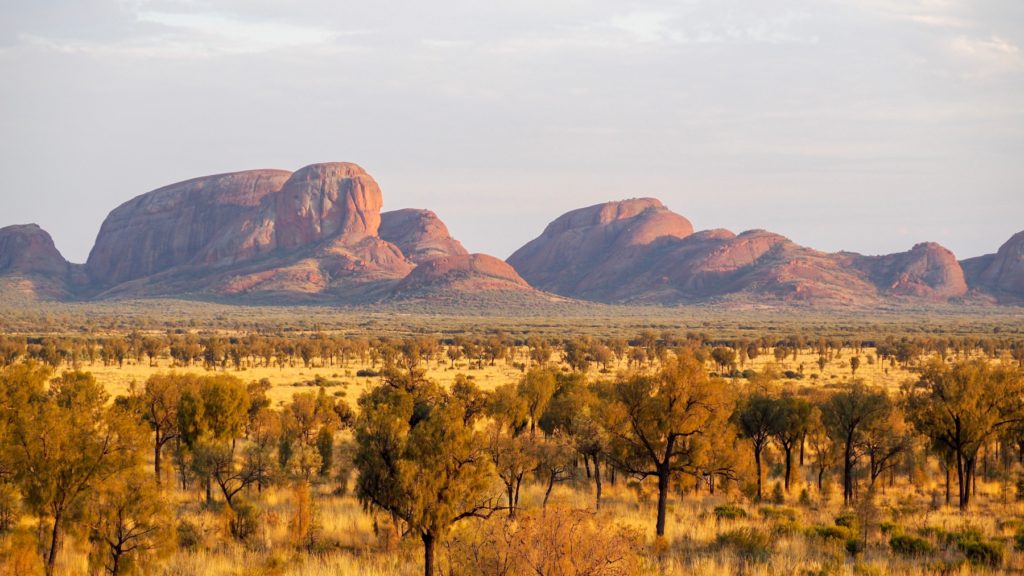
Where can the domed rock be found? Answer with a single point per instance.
(420, 234)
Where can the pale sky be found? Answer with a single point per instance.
(865, 125)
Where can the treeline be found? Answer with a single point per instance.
(212, 351)
(429, 457)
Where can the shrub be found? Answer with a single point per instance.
(909, 545)
(778, 496)
(748, 543)
(774, 513)
(729, 512)
(190, 536)
(854, 546)
(1018, 538)
(243, 521)
(367, 373)
(805, 498)
(888, 528)
(983, 553)
(831, 532)
(848, 520)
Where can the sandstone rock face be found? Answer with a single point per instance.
(31, 268)
(1001, 273)
(324, 201)
(28, 249)
(582, 242)
(419, 234)
(645, 254)
(171, 226)
(313, 235)
(927, 271)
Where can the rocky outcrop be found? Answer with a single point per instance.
(591, 241)
(646, 254)
(173, 225)
(31, 267)
(419, 234)
(927, 271)
(28, 249)
(1002, 273)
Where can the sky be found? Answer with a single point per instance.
(863, 125)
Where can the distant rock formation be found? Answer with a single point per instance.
(1000, 274)
(638, 251)
(589, 246)
(313, 235)
(318, 235)
(31, 266)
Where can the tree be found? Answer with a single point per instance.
(128, 520)
(961, 407)
(847, 415)
(854, 364)
(657, 423)
(158, 402)
(64, 442)
(421, 461)
(554, 457)
(758, 418)
(725, 358)
(536, 389)
(794, 420)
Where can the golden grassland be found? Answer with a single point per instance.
(342, 380)
(349, 544)
(351, 541)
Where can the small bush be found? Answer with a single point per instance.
(848, 520)
(775, 513)
(1018, 538)
(908, 545)
(729, 512)
(243, 521)
(854, 546)
(831, 532)
(778, 496)
(982, 552)
(190, 536)
(748, 543)
(888, 528)
(805, 498)
(367, 373)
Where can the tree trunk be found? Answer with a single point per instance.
(949, 480)
(597, 481)
(156, 460)
(428, 554)
(547, 492)
(789, 467)
(848, 471)
(663, 474)
(757, 468)
(51, 556)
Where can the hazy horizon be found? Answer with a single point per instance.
(863, 125)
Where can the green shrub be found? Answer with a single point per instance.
(888, 528)
(805, 498)
(778, 496)
(848, 520)
(748, 543)
(854, 546)
(244, 521)
(831, 532)
(908, 545)
(983, 553)
(190, 536)
(776, 513)
(729, 512)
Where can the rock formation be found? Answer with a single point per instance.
(1002, 273)
(639, 251)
